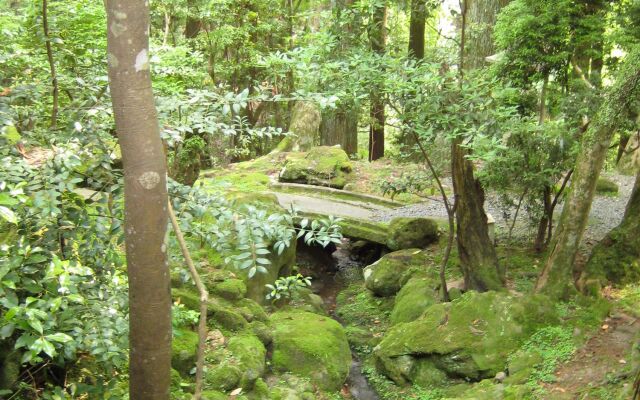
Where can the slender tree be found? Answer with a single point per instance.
(145, 188)
(378, 40)
(556, 278)
(52, 66)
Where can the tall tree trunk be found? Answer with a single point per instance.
(145, 188)
(557, 278)
(378, 39)
(52, 66)
(340, 125)
(478, 258)
(416, 28)
(481, 16)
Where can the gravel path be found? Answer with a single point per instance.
(606, 211)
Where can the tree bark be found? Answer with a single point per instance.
(482, 16)
(145, 188)
(557, 278)
(416, 29)
(478, 258)
(378, 39)
(193, 25)
(52, 67)
(340, 127)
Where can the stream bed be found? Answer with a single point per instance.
(331, 273)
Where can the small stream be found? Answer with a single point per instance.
(332, 273)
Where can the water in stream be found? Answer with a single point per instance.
(331, 273)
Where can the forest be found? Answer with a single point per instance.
(320, 199)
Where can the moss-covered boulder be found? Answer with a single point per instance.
(311, 346)
(251, 311)
(386, 276)
(606, 187)
(280, 265)
(229, 289)
(321, 166)
(250, 354)
(415, 297)
(214, 395)
(468, 338)
(407, 232)
(223, 377)
(616, 258)
(184, 351)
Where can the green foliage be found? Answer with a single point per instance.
(183, 317)
(534, 37)
(287, 286)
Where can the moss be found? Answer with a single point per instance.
(214, 395)
(606, 187)
(387, 276)
(250, 353)
(375, 232)
(228, 319)
(321, 166)
(262, 332)
(188, 297)
(414, 298)
(251, 311)
(311, 346)
(184, 348)
(223, 377)
(616, 259)
(260, 391)
(365, 316)
(221, 181)
(406, 233)
(229, 289)
(469, 337)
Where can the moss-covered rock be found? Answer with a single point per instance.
(415, 297)
(387, 276)
(228, 319)
(229, 289)
(262, 332)
(312, 346)
(616, 258)
(407, 232)
(184, 351)
(224, 377)
(260, 391)
(292, 387)
(375, 232)
(250, 354)
(214, 395)
(280, 266)
(489, 390)
(468, 338)
(251, 311)
(606, 187)
(321, 166)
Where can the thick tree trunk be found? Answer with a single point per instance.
(616, 258)
(478, 258)
(145, 173)
(416, 29)
(305, 127)
(52, 67)
(557, 278)
(340, 127)
(378, 39)
(481, 16)
(477, 254)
